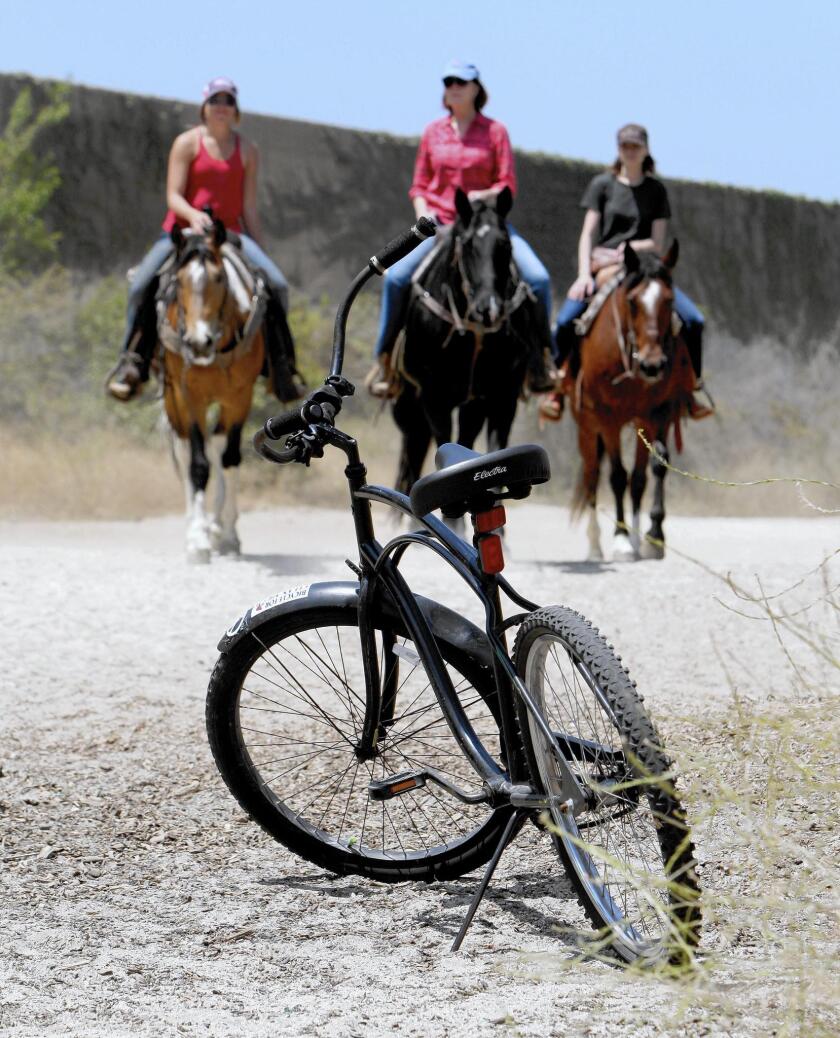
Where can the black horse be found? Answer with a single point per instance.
(473, 331)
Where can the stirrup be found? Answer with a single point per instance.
(697, 410)
(380, 381)
(550, 406)
(125, 381)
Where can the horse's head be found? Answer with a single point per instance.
(201, 291)
(649, 296)
(483, 253)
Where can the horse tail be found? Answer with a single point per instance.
(579, 498)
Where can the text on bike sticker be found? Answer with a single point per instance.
(289, 595)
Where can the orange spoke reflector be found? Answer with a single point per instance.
(493, 519)
(491, 554)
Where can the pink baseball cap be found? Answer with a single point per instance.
(220, 85)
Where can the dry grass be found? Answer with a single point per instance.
(59, 336)
(760, 781)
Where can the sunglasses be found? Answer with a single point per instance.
(222, 99)
(454, 81)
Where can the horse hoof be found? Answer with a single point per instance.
(198, 556)
(229, 546)
(595, 555)
(652, 550)
(623, 550)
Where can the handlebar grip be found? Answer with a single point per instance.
(282, 424)
(402, 245)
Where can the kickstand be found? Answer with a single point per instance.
(511, 829)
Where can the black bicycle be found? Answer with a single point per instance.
(377, 732)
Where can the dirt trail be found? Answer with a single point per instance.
(136, 901)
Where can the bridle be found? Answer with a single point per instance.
(462, 322)
(628, 344)
(174, 339)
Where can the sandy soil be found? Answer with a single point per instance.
(138, 900)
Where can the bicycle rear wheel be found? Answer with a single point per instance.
(285, 709)
(628, 853)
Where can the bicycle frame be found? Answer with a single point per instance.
(380, 573)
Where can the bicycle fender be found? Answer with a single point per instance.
(446, 624)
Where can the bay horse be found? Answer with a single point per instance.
(634, 369)
(470, 336)
(210, 323)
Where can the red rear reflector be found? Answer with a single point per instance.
(490, 552)
(491, 520)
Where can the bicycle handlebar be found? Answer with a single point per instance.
(322, 405)
(403, 244)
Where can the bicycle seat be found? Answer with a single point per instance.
(467, 481)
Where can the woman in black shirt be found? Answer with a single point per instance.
(625, 204)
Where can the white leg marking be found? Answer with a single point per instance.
(594, 534)
(198, 537)
(622, 547)
(225, 538)
(635, 531)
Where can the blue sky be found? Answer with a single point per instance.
(741, 92)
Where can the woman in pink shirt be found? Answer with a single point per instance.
(463, 149)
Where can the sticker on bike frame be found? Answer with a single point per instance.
(289, 595)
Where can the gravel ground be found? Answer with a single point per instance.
(137, 900)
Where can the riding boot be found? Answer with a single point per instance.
(693, 335)
(125, 380)
(541, 374)
(286, 381)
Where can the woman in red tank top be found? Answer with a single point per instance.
(209, 165)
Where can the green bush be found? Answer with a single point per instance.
(28, 182)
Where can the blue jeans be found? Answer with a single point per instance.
(398, 278)
(565, 337)
(278, 285)
(144, 274)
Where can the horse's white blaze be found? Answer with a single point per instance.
(650, 297)
(198, 275)
(204, 332)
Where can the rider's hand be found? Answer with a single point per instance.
(582, 288)
(200, 222)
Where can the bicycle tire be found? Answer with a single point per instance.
(629, 853)
(308, 645)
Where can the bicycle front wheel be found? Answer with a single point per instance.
(628, 853)
(285, 710)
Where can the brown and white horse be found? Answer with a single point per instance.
(210, 324)
(634, 369)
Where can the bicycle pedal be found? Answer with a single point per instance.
(396, 785)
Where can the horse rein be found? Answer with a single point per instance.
(462, 323)
(173, 338)
(628, 345)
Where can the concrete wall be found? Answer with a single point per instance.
(757, 263)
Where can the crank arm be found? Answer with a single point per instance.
(407, 781)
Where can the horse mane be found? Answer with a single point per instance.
(650, 267)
